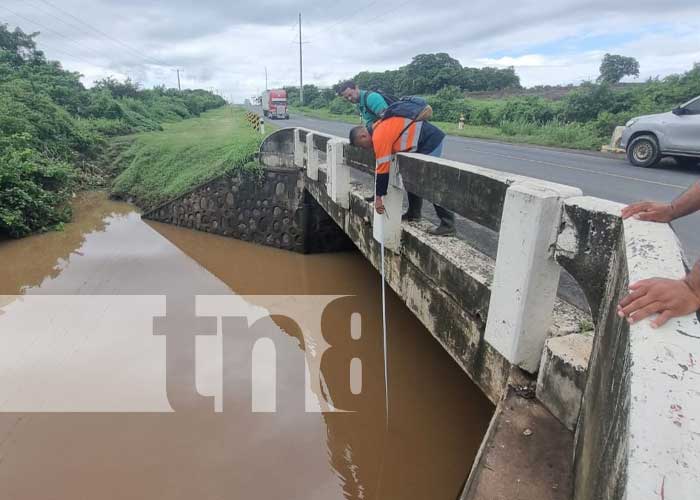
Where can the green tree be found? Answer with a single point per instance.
(428, 73)
(615, 67)
(18, 47)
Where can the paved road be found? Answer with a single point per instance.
(604, 176)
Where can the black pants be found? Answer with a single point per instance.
(415, 205)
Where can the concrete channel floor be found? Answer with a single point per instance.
(526, 455)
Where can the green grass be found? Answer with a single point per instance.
(159, 166)
(554, 134)
(325, 114)
(564, 135)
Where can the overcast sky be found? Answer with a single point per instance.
(226, 45)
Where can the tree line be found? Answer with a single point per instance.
(426, 74)
(53, 130)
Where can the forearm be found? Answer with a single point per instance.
(687, 203)
(693, 279)
(381, 184)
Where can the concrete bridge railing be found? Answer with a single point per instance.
(626, 398)
(638, 435)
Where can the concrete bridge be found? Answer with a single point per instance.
(587, 406)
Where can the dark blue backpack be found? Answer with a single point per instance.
(412, 107)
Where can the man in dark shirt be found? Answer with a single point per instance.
(402, 135)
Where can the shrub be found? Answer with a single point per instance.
(340, 106)
(530, 109)
(34, 191)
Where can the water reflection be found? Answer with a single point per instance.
(437, 416)
(30, 262)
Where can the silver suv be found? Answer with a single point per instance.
(677, 133)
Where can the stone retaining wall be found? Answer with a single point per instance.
(266, 207)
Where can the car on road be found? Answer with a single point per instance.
(647, 139)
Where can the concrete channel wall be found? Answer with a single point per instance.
(614, 414)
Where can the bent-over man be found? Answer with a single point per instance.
(402, 135)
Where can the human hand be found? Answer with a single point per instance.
(649, 211)
(379, 204)
(665, 297)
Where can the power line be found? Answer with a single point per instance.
(344, 21)
(50, 30)
(381, 17)
(67, 23)
(102, 33)
(375, 18)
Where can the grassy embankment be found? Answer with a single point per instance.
(158, 166)
(571, 135)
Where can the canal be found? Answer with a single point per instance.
(82, 413)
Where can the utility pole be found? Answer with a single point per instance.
(266, 88)
(301, 69)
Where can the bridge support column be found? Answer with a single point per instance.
(298, 149)
(312, 160)
(338, 186)
(526, 276)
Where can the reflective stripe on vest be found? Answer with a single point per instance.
(409, 138)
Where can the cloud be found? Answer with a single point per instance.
(227, 45)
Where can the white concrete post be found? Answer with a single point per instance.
(338, 186)
(311, 158)
(298, 149)
(527, 276)
(388, 225)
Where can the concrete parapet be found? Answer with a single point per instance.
(299, 148)
(527, 276)
(338, 186)
(312, 158)
(634, 438)
(562, 375)
(278, 150)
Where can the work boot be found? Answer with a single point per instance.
(410, 217)
(443, 230)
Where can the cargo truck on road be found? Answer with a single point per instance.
(274, 104)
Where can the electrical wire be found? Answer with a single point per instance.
(105, 35)
(50, 30)
(345, 20)
(375, 18)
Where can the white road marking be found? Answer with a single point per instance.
(559, 165)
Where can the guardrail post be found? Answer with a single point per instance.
(298, 149)
(311, 158)
(388, 225)
(527, 276)
(338, 186)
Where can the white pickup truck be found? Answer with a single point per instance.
(647, 139)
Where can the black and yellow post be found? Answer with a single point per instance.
(255, 121)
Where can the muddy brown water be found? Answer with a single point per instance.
(438, 417)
